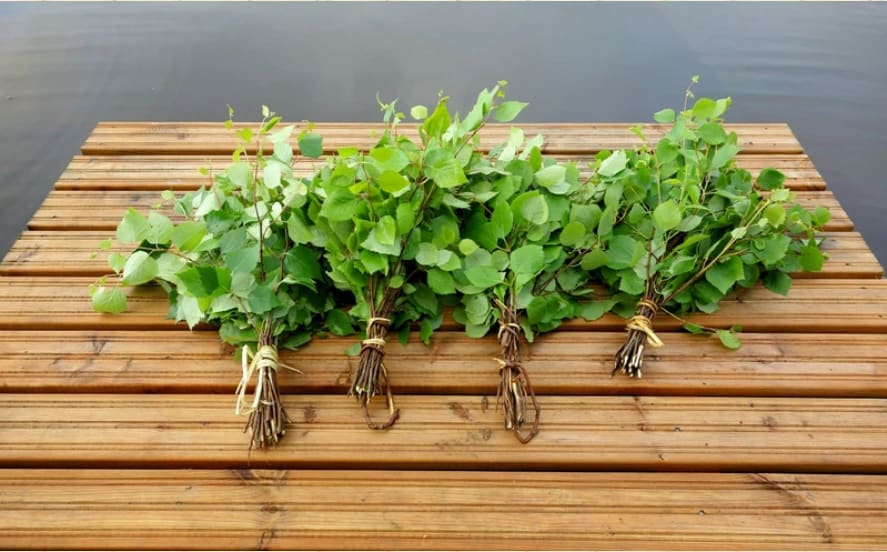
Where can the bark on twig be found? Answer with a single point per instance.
(515, 391)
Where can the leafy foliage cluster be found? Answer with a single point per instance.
(506, 238)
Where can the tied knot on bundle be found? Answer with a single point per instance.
(644, 322)
(264, 359)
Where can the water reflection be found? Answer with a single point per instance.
(65, 66)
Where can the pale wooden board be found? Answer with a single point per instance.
(276, 509)
(103, 209)
(213, 138)
(794, 364)
(451, 432)
(817, 305)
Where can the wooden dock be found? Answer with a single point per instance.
(119, 431)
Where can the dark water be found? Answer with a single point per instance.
(820, 67)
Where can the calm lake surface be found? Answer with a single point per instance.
(820, 67)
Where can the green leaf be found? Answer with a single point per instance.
(116, 261)
(271, 176)
(302, 264)
(447, 174)
(189, 310)
(139, 269)
(188, 235)
(240, 175)
(389, 159)
(724, 154)
(821, 215)
(664, 116)
(467, 246)
(111, 300)
(439, 121)
(596, 309)
(205, 281)
(811, 258)
(713, 133)
(594, 259)
(725, 274)
(775, 214)
(427, 254)
(339, 323)
(442, 283)
(508, 111)
(613, 164)
(386, 244)
(161, 228)
(533, 207)
(262, 299)
(419, 112)
(528, 259)
(386, 230)
(242, 260)
(339, 206)
(573, 233)
(393, 182)
(770, 179)
(483, 276)
(623, 252)
(778, 282)
(667, 215)
(694, 328)
(406, 218)
(704, 108)
(133, 228)
(729, 339)
(553, 177)
(502, 220)
(311, 144)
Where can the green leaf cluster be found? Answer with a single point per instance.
(241, 252)
(683, 225)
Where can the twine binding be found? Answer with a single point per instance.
(265, 358)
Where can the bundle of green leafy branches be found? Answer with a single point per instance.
(238, 260)
(682, 226)
(388, 218)
(519, 269)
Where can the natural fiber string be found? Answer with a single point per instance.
(643, 323)
(263, 359)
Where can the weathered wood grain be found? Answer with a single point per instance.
(704, 434)
(279, 509)
(561, 363)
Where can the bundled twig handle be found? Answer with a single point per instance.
(265, 358)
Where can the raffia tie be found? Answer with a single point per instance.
(264, 359)
(376, 343)
(643, 323)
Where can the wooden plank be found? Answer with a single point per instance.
(277, 509)
(452, 432)
(103, 209)
(192, 138)
(181, 172)
(818, 305)
(561, 363)
(76, 253)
